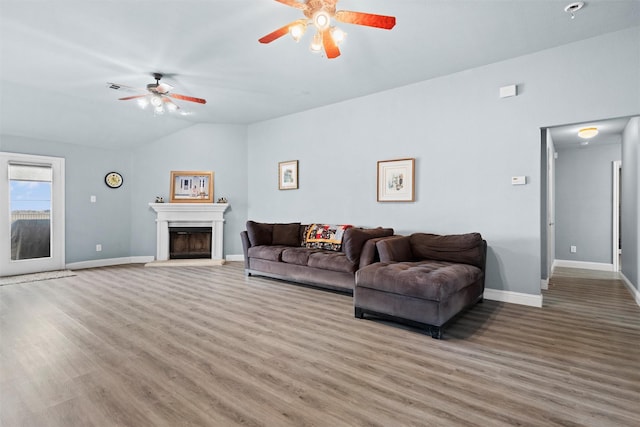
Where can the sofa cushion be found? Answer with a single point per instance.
(286, 234)
(325, 236)
(354, 239)
(260, 233)
(430, 280)
(458, 248)
(268, 252)
(395, 249)
(298, 256)
(331, 260)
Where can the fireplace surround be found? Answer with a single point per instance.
(185, 216)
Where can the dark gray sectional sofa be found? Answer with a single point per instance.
(275, 250)
(422, 279)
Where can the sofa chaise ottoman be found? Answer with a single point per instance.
(423, 279)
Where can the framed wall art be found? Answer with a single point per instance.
(396, 180)
(288, 175)
(191, 187)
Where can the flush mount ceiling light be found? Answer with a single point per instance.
(587, 133)
(572, 8)
(319, 13)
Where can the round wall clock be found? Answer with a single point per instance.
(113, 179)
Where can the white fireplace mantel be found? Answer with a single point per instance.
(189, 215)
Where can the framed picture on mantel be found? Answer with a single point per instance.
(191, 187)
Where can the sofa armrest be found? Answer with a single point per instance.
(354, 241)
(369, 254)
(246, 244)
(395, 249)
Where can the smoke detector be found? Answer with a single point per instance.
(572, 8)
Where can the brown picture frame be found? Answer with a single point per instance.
(191, 187)
(396, 180)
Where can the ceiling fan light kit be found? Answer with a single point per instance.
(319, 13)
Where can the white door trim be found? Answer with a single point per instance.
(617, 165)
(551, 208)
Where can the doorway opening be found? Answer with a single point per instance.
(581, 196)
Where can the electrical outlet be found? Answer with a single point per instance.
(98, 247)
(573, 249)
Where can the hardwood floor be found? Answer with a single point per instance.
(206, 346)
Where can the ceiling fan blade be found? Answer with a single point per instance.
(187, 98)
(131, 97)
(293, 3)
(118, 86)
(368, 19)
(329, 44)
(278, 33)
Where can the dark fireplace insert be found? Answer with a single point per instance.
(189, 242)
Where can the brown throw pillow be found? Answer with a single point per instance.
(260, 233)
(463, 248)
(286, 234)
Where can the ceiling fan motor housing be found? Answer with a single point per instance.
(314, 6)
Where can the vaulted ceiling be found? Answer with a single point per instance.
(56, 57)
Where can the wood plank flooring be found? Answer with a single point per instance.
(207, 346)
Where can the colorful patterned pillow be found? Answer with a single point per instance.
(325, 236)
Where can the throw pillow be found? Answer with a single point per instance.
(325, 236)
(286, 234)
(260, 233)
(464, 248)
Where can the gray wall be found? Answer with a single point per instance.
(630, 202)
(584, 197)
(467, 142)
(121, 219)
(218, 148)
(107, 221)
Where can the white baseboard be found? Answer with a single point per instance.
(544, 284)
(635, 292)
(601, 266)
(513, 297)
(128, 260)
(111, 261)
